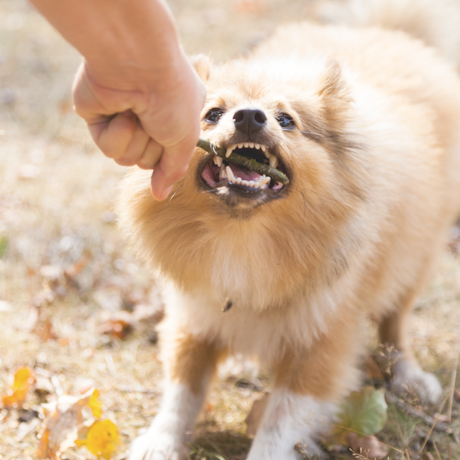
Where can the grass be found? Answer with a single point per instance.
(56, 198)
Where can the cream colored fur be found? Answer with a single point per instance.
(375, 184)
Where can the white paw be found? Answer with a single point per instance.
(408, 377)
(155, 445)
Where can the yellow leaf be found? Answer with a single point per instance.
(23, 380)
(102, 439)
(95, 405)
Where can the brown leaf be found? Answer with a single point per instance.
(368, 446)
(44, 329)
(63, 419)
(255, 415)
(372, 369)
(118, 328)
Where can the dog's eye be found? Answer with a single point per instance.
(285, 121)
(213, 115)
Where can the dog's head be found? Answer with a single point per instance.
(282, 113)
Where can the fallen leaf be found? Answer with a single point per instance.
(44, 329)
(102, 439)
(95, 405)
(372, 369)
(63, 419)
(16, 395)
(363, 412)
(118, 328)
(369, 447)
(255, 415)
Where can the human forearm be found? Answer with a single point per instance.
(126, 43)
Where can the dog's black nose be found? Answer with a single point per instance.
(249, 120)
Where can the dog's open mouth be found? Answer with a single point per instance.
(218, 171)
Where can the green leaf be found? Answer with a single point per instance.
(3, 245)
(364, 413)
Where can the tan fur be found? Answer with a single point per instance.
(375, 184)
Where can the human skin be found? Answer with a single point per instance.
(135, 88)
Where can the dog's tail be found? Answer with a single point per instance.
(436, 22)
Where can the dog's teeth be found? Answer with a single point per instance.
(240, 146)
(264, 181)
(246, 144)
(266, 153)
(251, 184)
(219, 161)
(222, 173)
(229, 151)
(273, 161)
(257, 146)
(238, 180)
(231, 176)
(251, 145)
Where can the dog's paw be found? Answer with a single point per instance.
(409, 378)
(154, 445)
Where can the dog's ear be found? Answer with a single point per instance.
(202, 65)
(331, 83)
(335, 95)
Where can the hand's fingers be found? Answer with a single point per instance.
(172, 167)
(135, 148)
(114, 135)
(151, 155)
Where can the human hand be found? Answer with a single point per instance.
(154, 127)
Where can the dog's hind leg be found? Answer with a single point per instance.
(309, 384)
(189, 365)
(401, 366)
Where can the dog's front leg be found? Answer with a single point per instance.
(309, 384)
(189, 364)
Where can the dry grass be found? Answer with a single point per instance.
(56, 196)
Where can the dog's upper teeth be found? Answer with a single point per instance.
(229, 151)
(273, 161)
(222, 173)
(231, 176)
(241, 146)
(218, 161)
(251, 145)
(257, 146)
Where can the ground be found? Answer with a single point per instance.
(65, 269)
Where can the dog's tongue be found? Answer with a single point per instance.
(245, 174)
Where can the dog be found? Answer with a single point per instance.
(365, 123)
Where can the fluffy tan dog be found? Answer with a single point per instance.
(366, 125)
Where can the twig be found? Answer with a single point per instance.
(412, 411)
(434, 424)
(437, 451)
(248, 163)
(452, 393)
(138, 390)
